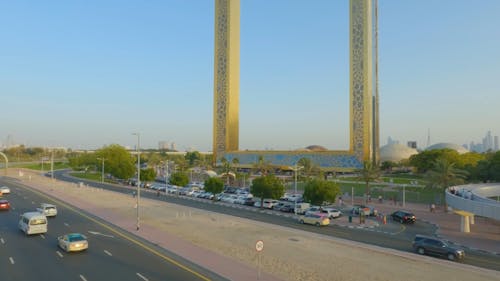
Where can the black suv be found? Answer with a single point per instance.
(403, 217)
(435, 246)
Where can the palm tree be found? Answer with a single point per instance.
(444, 174)
(369, 173)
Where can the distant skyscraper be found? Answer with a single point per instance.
(412, 144)
(163, 145)
(428, 137)
(495, 145)
(391, 141)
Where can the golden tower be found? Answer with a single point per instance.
(226, 77)
(364, 107)
(363, 104)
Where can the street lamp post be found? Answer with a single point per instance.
(138, 176)
(296, 169)
(102, 171)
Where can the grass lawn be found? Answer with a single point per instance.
(46, 166)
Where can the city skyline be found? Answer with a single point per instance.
(89, 74)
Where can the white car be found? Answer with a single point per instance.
(48, 210)
(73, 242)
(332, 213)
(4, 190)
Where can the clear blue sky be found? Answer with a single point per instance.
(84, 74)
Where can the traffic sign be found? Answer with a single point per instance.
(259, 246)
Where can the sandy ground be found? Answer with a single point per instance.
(288, 254)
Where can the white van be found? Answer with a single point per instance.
(48, 210)
(33, 223)
(301, 208)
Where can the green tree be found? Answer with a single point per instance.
(214, 185)
(444, 174)
(262, 166)
(267, 186)
(179, 179)
(387, 165)
(148, 175)
(369, 173)
(192, 157)
(318, 191)
(424, 160)
(118, 161)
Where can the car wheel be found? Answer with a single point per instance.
(302, 221)
(451, 257)
(317, 224)
(421, 250)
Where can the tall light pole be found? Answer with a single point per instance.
(52, 164)
(102, 173)
(296, 169)
(138, 175)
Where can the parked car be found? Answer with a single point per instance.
(332, 213)
(358, 209)
(249, 202)
(73, 242)
(288, 208)
(301, 208)
(434, 246)
(403, 217)
(314, 219)
(278, 205)
(4, 204)
(269, 203)
(313, 210)
(4, 190)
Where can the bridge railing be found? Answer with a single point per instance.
(478, 207)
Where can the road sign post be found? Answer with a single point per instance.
(259, 246)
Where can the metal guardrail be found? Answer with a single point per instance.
(478, 206)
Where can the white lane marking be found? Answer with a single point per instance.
(11, 260)
(98, 233)
(142, 277)
(66, 224)
(1, 240)
(83, 277)
(108, 253)
(43, 237)
(59, 254)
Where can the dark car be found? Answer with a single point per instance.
(435, 246)
(249, 202)
(288, 208)
(403, 217)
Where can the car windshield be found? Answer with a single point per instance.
(37, 221)
(75, 238)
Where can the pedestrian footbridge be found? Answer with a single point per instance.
(474, 200)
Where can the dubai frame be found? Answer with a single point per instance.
(364, 128)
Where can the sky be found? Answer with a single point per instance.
(85, 74)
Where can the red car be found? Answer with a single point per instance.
(4, 204)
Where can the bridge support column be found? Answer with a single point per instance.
(464, 224)
(472, 219)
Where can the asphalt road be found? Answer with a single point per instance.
(393, 235)
(113, 254)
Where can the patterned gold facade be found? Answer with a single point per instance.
(361, 82)
(226, 77)
(363, 102)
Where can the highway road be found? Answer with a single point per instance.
(392, 235)
(113, 254)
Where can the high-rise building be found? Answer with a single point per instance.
(495, 143)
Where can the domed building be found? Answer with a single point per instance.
(444, 145)
(396, 152)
